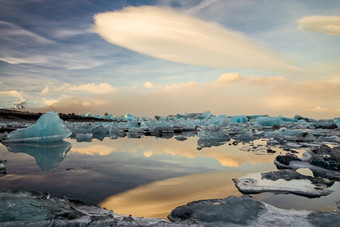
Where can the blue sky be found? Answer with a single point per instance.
(55, 55)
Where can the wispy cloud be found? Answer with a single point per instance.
(10, 30)
(167, 34)
(324, 24)
(91, 88)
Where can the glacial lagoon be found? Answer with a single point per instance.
(148, 176)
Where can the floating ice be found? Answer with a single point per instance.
(269, 121)
(239, 119)
(337, 121)
(290, 161)
(99, 132)
(296, 135)
(161, 128)
(113, 132)
(129, 117)
(245, 137)
(49, 128)
(297, 187)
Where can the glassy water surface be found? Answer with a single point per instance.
(143, 177)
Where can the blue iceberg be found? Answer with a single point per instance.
(337, 121)
(239, 119)
(49, 128)
(269, 121)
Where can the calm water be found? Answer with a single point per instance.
(143, 177)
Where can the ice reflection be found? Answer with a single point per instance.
(47, 155)
(226, 155)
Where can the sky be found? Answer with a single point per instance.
(161, 57)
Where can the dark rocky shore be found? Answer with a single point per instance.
(17, 115)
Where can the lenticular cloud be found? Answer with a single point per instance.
(167, 34)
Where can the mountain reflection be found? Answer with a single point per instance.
(47, 155)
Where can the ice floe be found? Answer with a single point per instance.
(297, 187)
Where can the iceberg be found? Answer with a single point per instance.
(99, 132)
(245, 137)
(296, 135)
(239, 119)
(269, 121)
(337, 121)
(129, 117)
(113, 132)
(48, 128)
(160, 128)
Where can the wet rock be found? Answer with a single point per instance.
(270, 151)
(286, 159)
(291, 161)
(180, 138)
(325, 218)
(327, 157)
(286, 174)
(246, 211)
(231, 210)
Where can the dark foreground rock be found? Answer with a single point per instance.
(246, 211)
(39, 209)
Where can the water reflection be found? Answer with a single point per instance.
(160, 197)
(152, 148)
(144, 177)
(47, 155)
